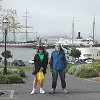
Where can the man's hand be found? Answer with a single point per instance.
(65, 70)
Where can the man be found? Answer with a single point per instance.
(58, 66)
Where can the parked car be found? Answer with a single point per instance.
(31, 61)
(89, 61)
(18, 63)
(71, 62)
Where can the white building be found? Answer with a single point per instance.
(90, 52)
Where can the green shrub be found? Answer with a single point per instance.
(4, 80)
(22, 74)
(87, 73)
(74, 69)
(11, 79)
(17, 71)
(1, 70)
(96, 65)
(14, 71)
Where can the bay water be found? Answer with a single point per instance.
(24, 54)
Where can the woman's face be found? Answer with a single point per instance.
(40, 50)
(57, 48)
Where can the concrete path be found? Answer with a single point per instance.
(79, 89)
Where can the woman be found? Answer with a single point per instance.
(40, 63)
(58, 66)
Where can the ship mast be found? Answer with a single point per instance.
(94, 30)
(72, 31)
(14, 33)
(26, 24)
(0, 5)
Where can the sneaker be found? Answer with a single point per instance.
(65, 91)
(42, 91)
(52, 91)
(33, 92)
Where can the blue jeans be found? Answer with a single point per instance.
(55, 77)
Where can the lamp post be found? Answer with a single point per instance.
(5, 25)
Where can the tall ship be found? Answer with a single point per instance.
(18, 44)
(79, 41)
(13, 43)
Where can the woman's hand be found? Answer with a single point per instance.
(51, 70)
(41, 68)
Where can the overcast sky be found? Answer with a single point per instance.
(55, 16)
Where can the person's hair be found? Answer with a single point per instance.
(61, 49)
(40, 47)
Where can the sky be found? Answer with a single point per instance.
(52, 17)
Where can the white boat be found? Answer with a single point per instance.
(76, 42)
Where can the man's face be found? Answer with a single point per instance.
(57, 48)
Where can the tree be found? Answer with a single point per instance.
(7, 53)
(75, 53)
(11, 14)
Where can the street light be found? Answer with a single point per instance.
(5, 25)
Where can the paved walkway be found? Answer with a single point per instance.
(79, 89)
